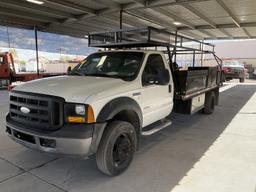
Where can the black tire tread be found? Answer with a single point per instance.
(102, 150)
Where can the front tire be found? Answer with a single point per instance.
(117, 148)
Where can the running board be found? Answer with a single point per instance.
(155, 127)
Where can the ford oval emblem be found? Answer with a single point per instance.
(25, 110)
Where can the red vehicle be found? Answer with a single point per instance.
(234, 70)
(8, 73)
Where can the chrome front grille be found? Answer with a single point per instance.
(36, 110)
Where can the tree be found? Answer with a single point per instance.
(65, 58)
(22, 63)
(22, 66)
(14, 53)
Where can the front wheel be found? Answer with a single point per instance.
(117, 148)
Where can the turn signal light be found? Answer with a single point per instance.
(78, 113)
(90, 115)
(72, 119)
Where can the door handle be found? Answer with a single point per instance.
(170, 88)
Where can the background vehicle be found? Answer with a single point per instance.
(8, 73)
(234, 70)
(112, 98)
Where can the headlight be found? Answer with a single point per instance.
(80, 109)
(78, 113)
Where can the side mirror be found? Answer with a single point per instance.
(163, 77)
(68, 70)
(149, 79)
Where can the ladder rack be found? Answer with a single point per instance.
(147, 37)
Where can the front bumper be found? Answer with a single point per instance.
(70, 140)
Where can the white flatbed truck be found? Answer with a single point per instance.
(107, 102)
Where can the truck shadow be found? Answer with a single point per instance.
(163, 159)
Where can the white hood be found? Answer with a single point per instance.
(72, 88)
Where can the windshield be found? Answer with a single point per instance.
(124, 65)
(236, 63)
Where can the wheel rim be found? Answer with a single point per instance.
(122, 150)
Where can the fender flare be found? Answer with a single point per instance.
(111, 109)
(117, 105)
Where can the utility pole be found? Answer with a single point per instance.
(37, 58)
(8, 37)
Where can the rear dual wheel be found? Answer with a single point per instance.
(209, 103)
(241, 80)
(117, 148)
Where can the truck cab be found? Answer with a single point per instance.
(128, 86)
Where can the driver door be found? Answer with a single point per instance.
(157, 99)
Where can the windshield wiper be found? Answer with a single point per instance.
(104, 75)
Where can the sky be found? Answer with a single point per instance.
(47, 42)
(27, 54)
